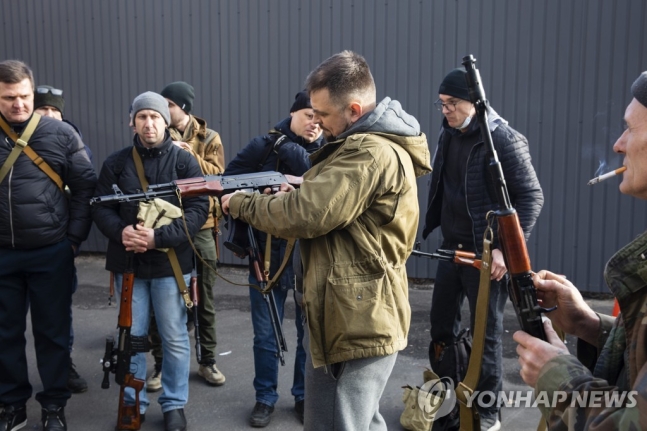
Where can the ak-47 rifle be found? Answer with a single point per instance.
(512, 242)
(208, 185)
(117, 359)
(459, 257)
(195, 298)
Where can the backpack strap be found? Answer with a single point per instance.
(22, 143)
(172, 256)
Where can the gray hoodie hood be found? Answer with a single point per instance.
(387, 117)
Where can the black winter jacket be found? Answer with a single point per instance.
(34, 212)
(293, 158)
(162, 164)
(523, 186)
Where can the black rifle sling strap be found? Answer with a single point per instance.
(172, 257)
(469, 416)
(22, 143)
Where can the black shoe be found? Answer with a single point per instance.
(13, 418)
(261, 415)
(174, 420)
(53, 418)
(298, 408)
(75, 383)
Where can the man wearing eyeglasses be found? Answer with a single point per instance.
(40, 231)
(49, 102)
(460, 195)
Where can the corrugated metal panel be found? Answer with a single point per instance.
(559, 71)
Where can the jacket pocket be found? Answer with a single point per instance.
(358, 310)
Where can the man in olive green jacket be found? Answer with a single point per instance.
(356, 214)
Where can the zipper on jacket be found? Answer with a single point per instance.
(13, 240)
(467, 205)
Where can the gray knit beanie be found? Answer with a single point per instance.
(154, 101)
(639, 89)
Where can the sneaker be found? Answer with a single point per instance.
(13, 418)
(53, 418)
(299, 407)
(174, 420)
(261, 415)
(75, 383)
(211, 374)
(154, 382)
(490, 424)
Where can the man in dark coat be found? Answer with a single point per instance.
(155, 280)
(461, 194)
(285, 149)
(40, 232)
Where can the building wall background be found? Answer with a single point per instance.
(558, 70)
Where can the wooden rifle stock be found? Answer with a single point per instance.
(128, 417)
(195, 298)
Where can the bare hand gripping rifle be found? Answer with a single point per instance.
(512, 242)
(117, 359)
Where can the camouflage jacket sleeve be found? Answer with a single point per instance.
(572, 399)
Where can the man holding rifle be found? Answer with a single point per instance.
(285, 149)
(461, 194)
(153, 159)
(612, 351)
(356, 215)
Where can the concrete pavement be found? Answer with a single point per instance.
(228, 407)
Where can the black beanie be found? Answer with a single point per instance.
(181, 93)
(301, 101)
(46, 98)
(639, 89)
(455, 84)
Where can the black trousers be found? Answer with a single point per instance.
(40, 279)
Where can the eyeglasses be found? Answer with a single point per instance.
(45, 90)
(450, 106)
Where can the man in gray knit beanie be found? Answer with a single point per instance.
(548, 367)
(153, 101)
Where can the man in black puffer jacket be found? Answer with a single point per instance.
(155, 282)
(460, 195)
(40, 231)
(285, 149)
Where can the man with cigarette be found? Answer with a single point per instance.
(611, 352)
(462, 192)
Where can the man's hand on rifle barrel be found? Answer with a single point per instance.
(283, 188)
(498, 265)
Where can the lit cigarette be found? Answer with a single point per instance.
(607, 175)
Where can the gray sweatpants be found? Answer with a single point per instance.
(346, 396)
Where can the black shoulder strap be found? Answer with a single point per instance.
(268, 147)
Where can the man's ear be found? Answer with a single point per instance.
(356, 111)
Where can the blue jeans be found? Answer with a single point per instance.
(170, 311)
(266, 363)
(454, 283)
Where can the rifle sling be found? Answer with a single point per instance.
(469, 416)
(22, 143)
(289, 248)
(172, 256)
